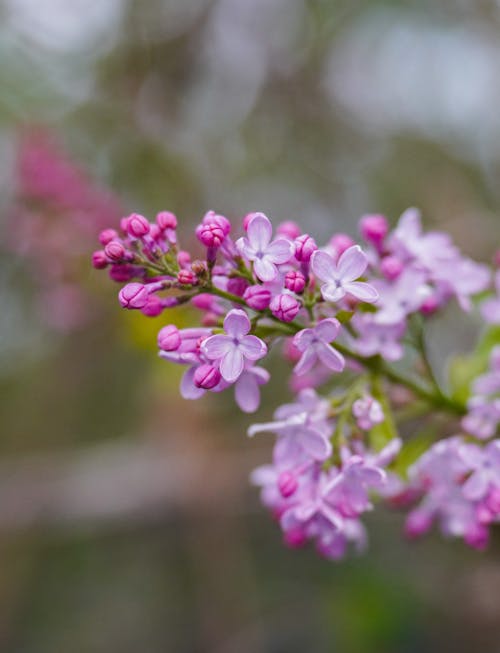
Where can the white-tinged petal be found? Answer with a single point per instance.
(188, 389)
(332, 293)
(252, 347)
(231, 365)
(236, 323)
(259, 232)
(303, 339)
(247, 393)
(265, 269)
(323, 266)
(280, 251)
(306, 361)
(352, 263)
(315, 443)
(330, 357)
(362, 291)
(216, 347)
(327, 329)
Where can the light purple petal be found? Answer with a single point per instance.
(323, 266)
(236, 323)
(303, 339)
(264, 269)
(475, 487)
(409, 226)
(332, 293)
(252, 348)
(259, 232)
(330, 357)
(247, 393)
(188, 388)
(352, 263)
(280, 251)
(216, 347)
(245, 248)
(362, 291)
(328, 329)
(232, 364)
(306, 362)
(315, 443)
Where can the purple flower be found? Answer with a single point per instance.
(485, 463)
(257, 247)
(373, 338)
(232, 349)
(340, 279)
(490, 309)
(247, 388)
(483, 417)
(401, 297)
(315, 345)
(367, 412)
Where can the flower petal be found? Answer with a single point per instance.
(352, 264)
(331, 292)
(306, 361)
(280, 251)
(188, 389)
(362, 291)
(236, 323)
(315, 443)
(231, 366)
(330, 357)
(303, 339)
(328, 329)
(252, 347)
(323, 266)
(216, 347)
(259, 232)
(265, 269)
(247, 393)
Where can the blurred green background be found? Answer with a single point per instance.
(126, 519)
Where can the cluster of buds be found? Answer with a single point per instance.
(341, 315)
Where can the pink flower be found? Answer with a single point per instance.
(257, 247)
(285, 307)
(339, 279)
(315, 346)
(232, 349)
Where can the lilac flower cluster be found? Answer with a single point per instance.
(341, 315)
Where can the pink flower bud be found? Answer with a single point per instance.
(155, 232)
(340, 243)
(107, 235)
(166, 220)
(154, 306)
(287, 484)
(289, 229)
(183, 258)
(115, 251)
(290, 351)
(204, 301)
(430, 305)
(169, 338)
(237, 286)
(418, 523)
(246, 220)
(209, 320)
(295, 281)
(206, 376)
(477, 537)
(137, 225)
(284, 307)
(305, 246)
(122, 273)
(374, 228)
(391, 267)
(123, 224)
(99, 260)
(257, 297)
(295, 538)
(210, 234)
(186, 278)
(133, 295)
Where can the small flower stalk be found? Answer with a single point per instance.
(350, 320)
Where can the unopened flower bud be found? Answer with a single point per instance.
(340, 243)
(99, 260)
(106, 236)
(133, 295)
(305, 246)
(284, 307)
(210, 234)
(137, 225)
(295, 538)
(289, 229)
(115, 251)
(198, 267)
(287, 484)
(417, 523)
(186, 278)
(153, 307)
(169, 338)
(391, 267)
(122, 273)
(183, 258)
(206, 376)
(237, 286)
(295, 281)
(374, 228)
(257, 297)
(166, 220)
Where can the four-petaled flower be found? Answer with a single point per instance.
(315, 345)
(339, 279)
(232, 349)
(257, 247)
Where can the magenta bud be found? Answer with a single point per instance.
(99, 260)
(206, 376)
(340, 243)
(123, 224)
(418, 523)
(115, 251)
(106, 236)
(237, 286)
(184, 258)
(284, 307)
(122, 273)
(430, 305)
(374, 228)
(295, 538)
(155, 232)
(305, 246)
(477, 537)
(204, 301)
(186, 278)
(295, 281)
(169, 338)
(257, 297)
(137, 225)
(133, 295)
(166, 220)
(210, 319)
(287, 484)
(289, 229)
(154, 306)
(215, 219)
(210, 234)
(391, 267)
(246, 220)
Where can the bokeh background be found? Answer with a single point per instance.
(126, 519)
